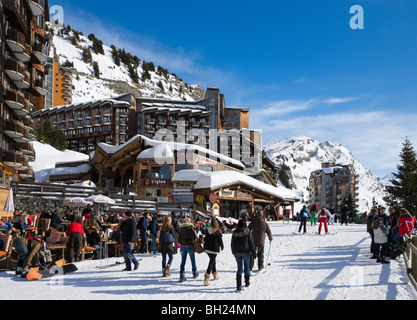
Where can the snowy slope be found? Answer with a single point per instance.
(303, 267)
(46, 158)
(115, 80)
(304, 155)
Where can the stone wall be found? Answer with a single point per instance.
(39, 205)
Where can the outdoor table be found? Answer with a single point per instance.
(106, 245)
(53, 247)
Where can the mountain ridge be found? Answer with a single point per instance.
(304, 155)
(98, 76)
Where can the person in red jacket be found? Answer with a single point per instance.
(405, 226)
(75, 232)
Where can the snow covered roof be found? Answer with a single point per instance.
(176, 146)
(66, 171)
(223, 179)
(161, 151)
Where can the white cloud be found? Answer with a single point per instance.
(338, 100)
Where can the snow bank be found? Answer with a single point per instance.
(303, 267)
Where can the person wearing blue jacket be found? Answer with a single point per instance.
(304, 215)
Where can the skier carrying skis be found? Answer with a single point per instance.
(313, 213)
(304, 215)
(323, 216)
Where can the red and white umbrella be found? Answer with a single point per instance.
(9, 205)
(98, 198)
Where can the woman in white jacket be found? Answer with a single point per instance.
(380, 240)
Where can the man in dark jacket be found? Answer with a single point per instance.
(129, 238)
(243, 248)
(143, 228)
(259, 227)
(153, 231)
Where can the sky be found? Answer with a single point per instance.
(298, 64)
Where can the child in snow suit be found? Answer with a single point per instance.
(323, 216)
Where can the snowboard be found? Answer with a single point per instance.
(49, 273)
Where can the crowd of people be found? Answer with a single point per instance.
(168, 235)
(387, 232)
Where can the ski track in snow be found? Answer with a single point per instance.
(303, 267)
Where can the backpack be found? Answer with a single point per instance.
(169, 238)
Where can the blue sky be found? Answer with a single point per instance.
(296, 63)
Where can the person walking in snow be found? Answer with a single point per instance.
(313, 213)
(323, 216)
(186, 238)
(259, 228)
(304, 215)
(243, 248)
(213, 243)
(129, 238)
(167, 245)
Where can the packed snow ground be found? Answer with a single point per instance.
(303, 267)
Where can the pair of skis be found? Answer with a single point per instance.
(111, 265)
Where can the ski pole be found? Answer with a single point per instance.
(269, 252)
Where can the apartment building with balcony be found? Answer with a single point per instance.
(59, 79)
(24, 48)
(87, 124)
(207, 122)
(334, 186)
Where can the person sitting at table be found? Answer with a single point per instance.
(26, 221)
(93, 240)
(5, 225)
(56, 222)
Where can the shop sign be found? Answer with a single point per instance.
(183, 185)
(227, 193)
(155, 182)
(244, 194)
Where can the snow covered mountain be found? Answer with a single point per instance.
(115, 78)
(304, 155)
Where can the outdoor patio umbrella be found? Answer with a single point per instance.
(98, 198)
(9, 205)
(76, 202)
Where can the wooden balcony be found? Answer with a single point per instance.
(16, 40)
(41, 87)
(26, 173)
(15, 70)
(25, 82)
(36, 6)
(14, 129)
(13, 159)
(23, 56)
(40, 51)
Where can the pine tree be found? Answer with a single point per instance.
(96, 69)
(403, 191)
